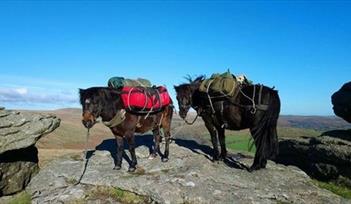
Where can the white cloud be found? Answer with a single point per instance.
(32, 97)
(22, 91)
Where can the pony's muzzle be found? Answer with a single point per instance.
(88, 124)
(88, 120)
(182, 114)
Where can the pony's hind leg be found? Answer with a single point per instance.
(120, 150)
(166, 124)
(259, 163)
(260, 159)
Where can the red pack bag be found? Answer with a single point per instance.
(145, 99)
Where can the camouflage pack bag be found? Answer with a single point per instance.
(223, 84)
(119, 82)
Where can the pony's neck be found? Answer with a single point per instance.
(195, 94)
(112, 105)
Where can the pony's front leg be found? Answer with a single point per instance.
(221, 137)
(156, 149)
(131, 144)
(120, 150)
(213, 132)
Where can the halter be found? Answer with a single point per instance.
(188, 107)
(185, 106)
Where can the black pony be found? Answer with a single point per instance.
(106, 103)
(256, 107)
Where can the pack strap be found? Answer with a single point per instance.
(119, 117)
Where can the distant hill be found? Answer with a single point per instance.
(72, 134)
(319, 123)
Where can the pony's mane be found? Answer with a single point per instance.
(190, 82)
(197, 79)
(94, 91)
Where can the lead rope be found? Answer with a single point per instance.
(197, 114)
(85, 158)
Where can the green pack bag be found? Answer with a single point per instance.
(224, 84)
(119, 82)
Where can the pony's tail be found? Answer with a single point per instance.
(265, 133)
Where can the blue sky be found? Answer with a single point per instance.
(50, 49)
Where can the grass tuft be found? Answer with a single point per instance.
(338, 189)
(21, 198)
(241, 143)
(117, 194)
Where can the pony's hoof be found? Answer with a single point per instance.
(222, 157)
(117, 168)
(214, 160)
(164, 159)
(254, 168)
(131, 169)
(152, 156)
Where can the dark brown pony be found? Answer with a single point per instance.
(106, 103)
(256, 107)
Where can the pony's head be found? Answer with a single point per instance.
(185, 93)
(92, 105)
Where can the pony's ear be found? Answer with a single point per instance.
(81, 93)
(176, 87)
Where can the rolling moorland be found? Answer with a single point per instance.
(70, 137)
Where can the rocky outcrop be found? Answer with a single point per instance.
(188, 177)
(20, 130)
(341, 101)
(325, 157)
(17, 168)
(18, 155)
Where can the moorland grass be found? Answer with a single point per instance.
(21, 198)
(338, 189)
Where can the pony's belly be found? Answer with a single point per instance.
(142, 129)
(233, 128)
(235, 125)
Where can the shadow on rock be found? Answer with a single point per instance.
(111, 146)
(232, 160)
